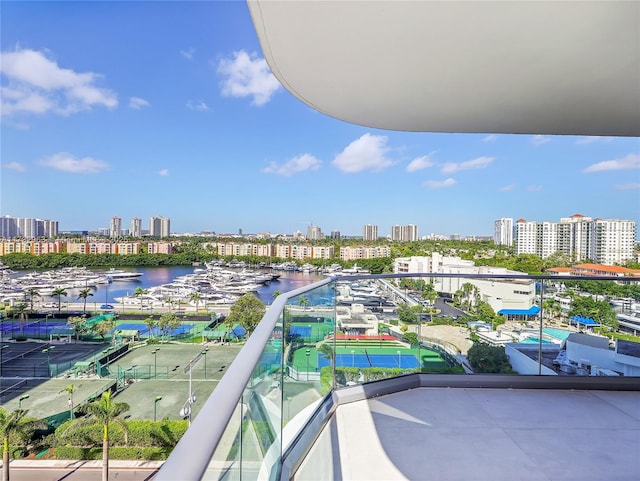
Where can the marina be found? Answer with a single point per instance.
(147, 288)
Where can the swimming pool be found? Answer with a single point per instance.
(559, 334)
(534, 340)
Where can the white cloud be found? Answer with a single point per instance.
(38, 85)
(163, 172)
(540, 139)
(534, 188)
(366, 153)
(629, 186)
(593, 138)
(137, 103)
(439, 184)
(188, 54)
(506, 188)
(490, 138)
(421, 163)
(67, 163)
(18, 167)
(247, 75)
(296, 165)
(198, 106)
(631, 161)
(477, 163)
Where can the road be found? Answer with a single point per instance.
(79, 471)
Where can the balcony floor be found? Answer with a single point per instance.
(481, 434)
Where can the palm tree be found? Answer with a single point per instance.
(84, 293)
(195, 297)
(139, 292)
(32, 292)
(304, 302)
(14, 425)
(59, 292)
(104, 411)
(329, 353)
(275, 294)
(150, 322)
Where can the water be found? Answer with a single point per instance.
(155, 276)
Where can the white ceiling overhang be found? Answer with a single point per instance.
(534, 67)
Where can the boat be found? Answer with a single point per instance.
(121, 275)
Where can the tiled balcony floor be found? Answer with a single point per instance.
(481, 434)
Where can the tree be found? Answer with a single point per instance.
(275, 294)
(248, 311)
(32, 292)
(303, 302)
(103, 327)
(195, 297)
(104, 411)
(485, 358)
(78, 323)
(84, 293)
(150, 322)
(168, 321)
(59, 292)
(16, 428)
(139, 292)
(407, 314)
(327, 352)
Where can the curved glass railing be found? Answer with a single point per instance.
(353, 330)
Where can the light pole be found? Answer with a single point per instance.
(22, 398)
(155, 407)
(308, 353)
(353, 363)
(155, 364)
(204, 353)
(47, 351)
(2, 349)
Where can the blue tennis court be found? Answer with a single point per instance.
(402, 361)
(143, 330)
(300, 331)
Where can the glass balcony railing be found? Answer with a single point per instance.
(317, 342)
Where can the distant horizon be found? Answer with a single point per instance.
(183, 118)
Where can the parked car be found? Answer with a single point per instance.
(106, 306)
(50, 305)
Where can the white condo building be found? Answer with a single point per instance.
(503, 231)
(404, 233)
(604, 241)
(27, 227)
(314, 233)
(505, 296)
(135, 228)
(159, 227)
(115, 227)
(370, 232)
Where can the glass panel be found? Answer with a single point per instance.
(262, 403)
(225, 463)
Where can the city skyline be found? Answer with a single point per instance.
(183, 118)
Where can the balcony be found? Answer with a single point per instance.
(328, 388)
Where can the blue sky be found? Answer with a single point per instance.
(140, 109)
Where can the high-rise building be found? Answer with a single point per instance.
(115, 227)
(604, 241)
(370, 232)
(160, 227)
(135, 228)
(28, 228)
(503, 231)
(314, 233)
(404, 233)
(335, 234)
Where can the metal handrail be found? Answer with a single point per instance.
(200, 441)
